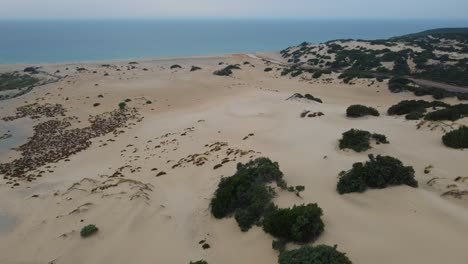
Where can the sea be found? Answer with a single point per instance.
(61, 41)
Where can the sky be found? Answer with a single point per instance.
(52, 9)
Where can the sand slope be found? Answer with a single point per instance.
(194, 122)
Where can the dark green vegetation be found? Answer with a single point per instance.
(88, 230)
(267, 69)
(195, 68)
(360, 111)
(301, 223)
(379, 172)
(245, 194)
(176, 66)
(306, 96)
(423, 49)
(359, 140)
(227, 71)
(416, 109)
(457, 138)
(10, 81)
(122, 106)
(452, 113)
(400, 84)
(321, 254)
(198, 262)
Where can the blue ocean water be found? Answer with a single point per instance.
(44, 41)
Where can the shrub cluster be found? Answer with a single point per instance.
(413, 106)
(321, 254)
(361, 110)
(379, 172)
(227, 71)
(451, 113)
(10, 81)
(359, 140)
(198, 262)
(88, 230)
(457, 138)
(245, 194)
(301, 223)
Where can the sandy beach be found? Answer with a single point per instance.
(146, 178)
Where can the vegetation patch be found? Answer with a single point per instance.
(301, 223)
(451, 113)
(379, 172)
(227, 71)
(409, 106)
(15, 80)
(88, 230)
(321, 254)
(245, 194)
(361, 110)
(359, 140)
(306, 96)
(457, 138)
(198, 262)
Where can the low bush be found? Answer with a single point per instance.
(198, 262)
(360, 111)
(313, 98)
(88, 230)
(451, 113)
(227, 71)
(407, 106)
(245, 194)
(379, 172)
(195, 68)
(301, 223)
(359, 140)
(122, 106)
(268, 69)
(414, 115)
(457, 138)
(175, 66)
(10, 81)
(321, 254)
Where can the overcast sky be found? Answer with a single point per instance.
(234, 8)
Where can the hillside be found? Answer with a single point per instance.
(439, 55)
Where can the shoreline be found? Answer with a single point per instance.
(155, 59)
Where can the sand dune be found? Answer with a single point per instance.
(148, 188)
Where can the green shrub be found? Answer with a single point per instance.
(301, 223)
(122, 106)
(279, 245)
(379, 172)
(88, 230)
(414, 115)
(359, 140)
(451, 113)
(313, 98)
(317, 74)
(361, 110)
(268, 69)
(407, 106)
(245, 194)
(457, 138)
(227, 71)
(198, 262)
(355, 139)
(175, 66)
(321, 254)
(10, 81)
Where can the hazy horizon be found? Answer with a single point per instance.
(241, 9)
